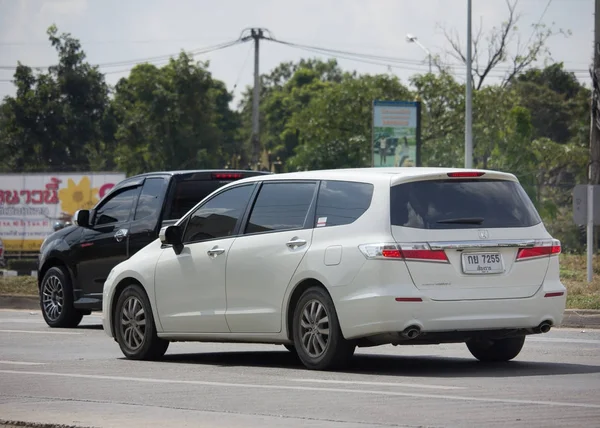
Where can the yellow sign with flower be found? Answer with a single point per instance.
(80, 196)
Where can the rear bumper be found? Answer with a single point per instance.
(377, 312)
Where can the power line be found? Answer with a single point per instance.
(243, 67)
(98, 42)
(387, 61)
(159, 58)
(379, 60)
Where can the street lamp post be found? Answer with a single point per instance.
(413, 39)
(469, 96)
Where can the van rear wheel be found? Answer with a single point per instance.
(496, 350)
(318, 339)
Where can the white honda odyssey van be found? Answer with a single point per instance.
(325, 261)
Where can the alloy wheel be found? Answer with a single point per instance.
(133, 323)
(53, 297)
(314, 328)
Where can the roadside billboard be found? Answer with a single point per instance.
(31, 203)
(396, 138)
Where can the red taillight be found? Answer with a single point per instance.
(465, 174)
(434, 255)
(541, 249)
(412, 252)
(391, 254)
(226, 176)
(1, 251)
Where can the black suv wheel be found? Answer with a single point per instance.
(56, 299)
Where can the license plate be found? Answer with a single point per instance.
(482, 263)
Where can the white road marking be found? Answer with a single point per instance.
(38, 332)
(350, 382)
(21, 363)
(562, 340)
(20, 321)
(306, 388)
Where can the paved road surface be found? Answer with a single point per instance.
(79, 377)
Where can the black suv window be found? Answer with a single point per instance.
(218, 216)
(342, 202)
(281, 206)
(461, 204)
(189, 193)
(117, 208)
(151, 198)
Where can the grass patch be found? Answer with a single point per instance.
(573, 274)
(581, 295)
(19, 285)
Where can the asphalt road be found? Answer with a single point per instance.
(79, 377)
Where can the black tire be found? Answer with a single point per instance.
(290, 348)
(149, 346)
(56, 299)
(499, 350)
(338, 351)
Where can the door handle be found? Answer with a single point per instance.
(215, 251)
(296, 243)
(120, 234)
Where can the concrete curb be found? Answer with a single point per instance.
(19, 302)
(574, 318)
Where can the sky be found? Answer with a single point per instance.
(113, 31)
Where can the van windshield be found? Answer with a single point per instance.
(461, 204)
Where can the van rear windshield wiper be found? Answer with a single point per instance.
(462, 220)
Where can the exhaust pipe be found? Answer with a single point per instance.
(544, 327)
(411, 332)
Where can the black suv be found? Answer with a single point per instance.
(75, 261)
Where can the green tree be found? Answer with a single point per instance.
(173, 117)
(559, 104)
(335, 127)
(57, 120)
(286, 90)
(442, 117)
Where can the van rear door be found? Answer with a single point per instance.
(467, 238)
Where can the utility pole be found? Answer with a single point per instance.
(469, 96)
(594, 168)
(255, 34)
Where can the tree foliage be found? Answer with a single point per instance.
(173, 117)
(58, 119)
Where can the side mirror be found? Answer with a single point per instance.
(82, 218)
(171, 235)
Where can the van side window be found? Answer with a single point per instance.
(281, 206)
(218, 217)
(342, 202)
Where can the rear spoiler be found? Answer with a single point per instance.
(448, 174)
